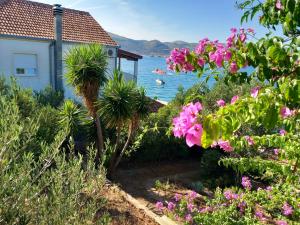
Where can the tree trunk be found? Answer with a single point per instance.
(100, 142)
(114, 153)
(119, 157)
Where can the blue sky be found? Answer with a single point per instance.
(165, 20)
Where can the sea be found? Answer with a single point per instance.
(172, 80)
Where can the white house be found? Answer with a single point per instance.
(34, 38)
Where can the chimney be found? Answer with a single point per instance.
(58, 65)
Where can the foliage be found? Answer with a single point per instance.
(269, 205)
(122, 105)
(46, 187)
(48, 96)
(87, 67)
(271, 154)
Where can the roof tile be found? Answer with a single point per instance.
(33, 19)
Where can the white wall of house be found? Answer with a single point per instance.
(14, 51)
(21, 52)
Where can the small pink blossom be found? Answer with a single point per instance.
(246, 183)
(285, 112)
(225, 145)
(233, 30)
(276, 151)
(189, 218)
(171, 206)
(193, 136)
(201, 62)
(234, 99)
(278, 5)
(242, 206)
(260, 214)
(190, 207)
(229, 195)
(221, 102)
(282, 132)
(250, 30)
(159, 206)
(177, 197)
(287, 209)
(249, 140)
(206, 209)
(269, 188)
(281, 222)
(243, 37)
(192, 195)
(254, 92)
(233, 67)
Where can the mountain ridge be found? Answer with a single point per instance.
(150, 48)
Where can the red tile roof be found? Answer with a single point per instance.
(33, 19)
(155, 105)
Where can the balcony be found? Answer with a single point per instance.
(122, 54)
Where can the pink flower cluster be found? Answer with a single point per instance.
(186, 124)
(178, 58)
(246, 183)
(287, 209)
(208, 51)
(229, 195)
(225, 145)
(286, 112)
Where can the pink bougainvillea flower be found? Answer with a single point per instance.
(287, 209)
(250, 30)
(193, 136)
(278, 5)
(281, 222)
(189, 218)
(201, 62)
(192, 195)
(190, 207)
(177, 197)
(254, 92)
(171, 206)
(229, 195)
(159, 206)
(225, 145)
(276, 151)
(246, 183)
(285, 112)
(260, 214)
(282, 132)
(242, 206)
(269, 188)
(249, 140)
(243, 37)
(233, 67)
(221, 102)
(233, 30)
(234, 99)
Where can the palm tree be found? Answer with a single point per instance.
(122, 104)
(116, 108)
(87, 66)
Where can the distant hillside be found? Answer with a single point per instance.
(151, 48)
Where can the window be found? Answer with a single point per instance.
(25, 65)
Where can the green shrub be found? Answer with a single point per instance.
(39, 184)
(48, 96)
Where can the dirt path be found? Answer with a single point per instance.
(122, 211)
(140, 182)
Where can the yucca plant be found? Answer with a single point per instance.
(121, 105)
(87, 66)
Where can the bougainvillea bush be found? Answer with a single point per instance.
(268, 161)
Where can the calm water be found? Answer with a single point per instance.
(147, 79)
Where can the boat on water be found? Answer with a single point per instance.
(159, 71)
(160, 82)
